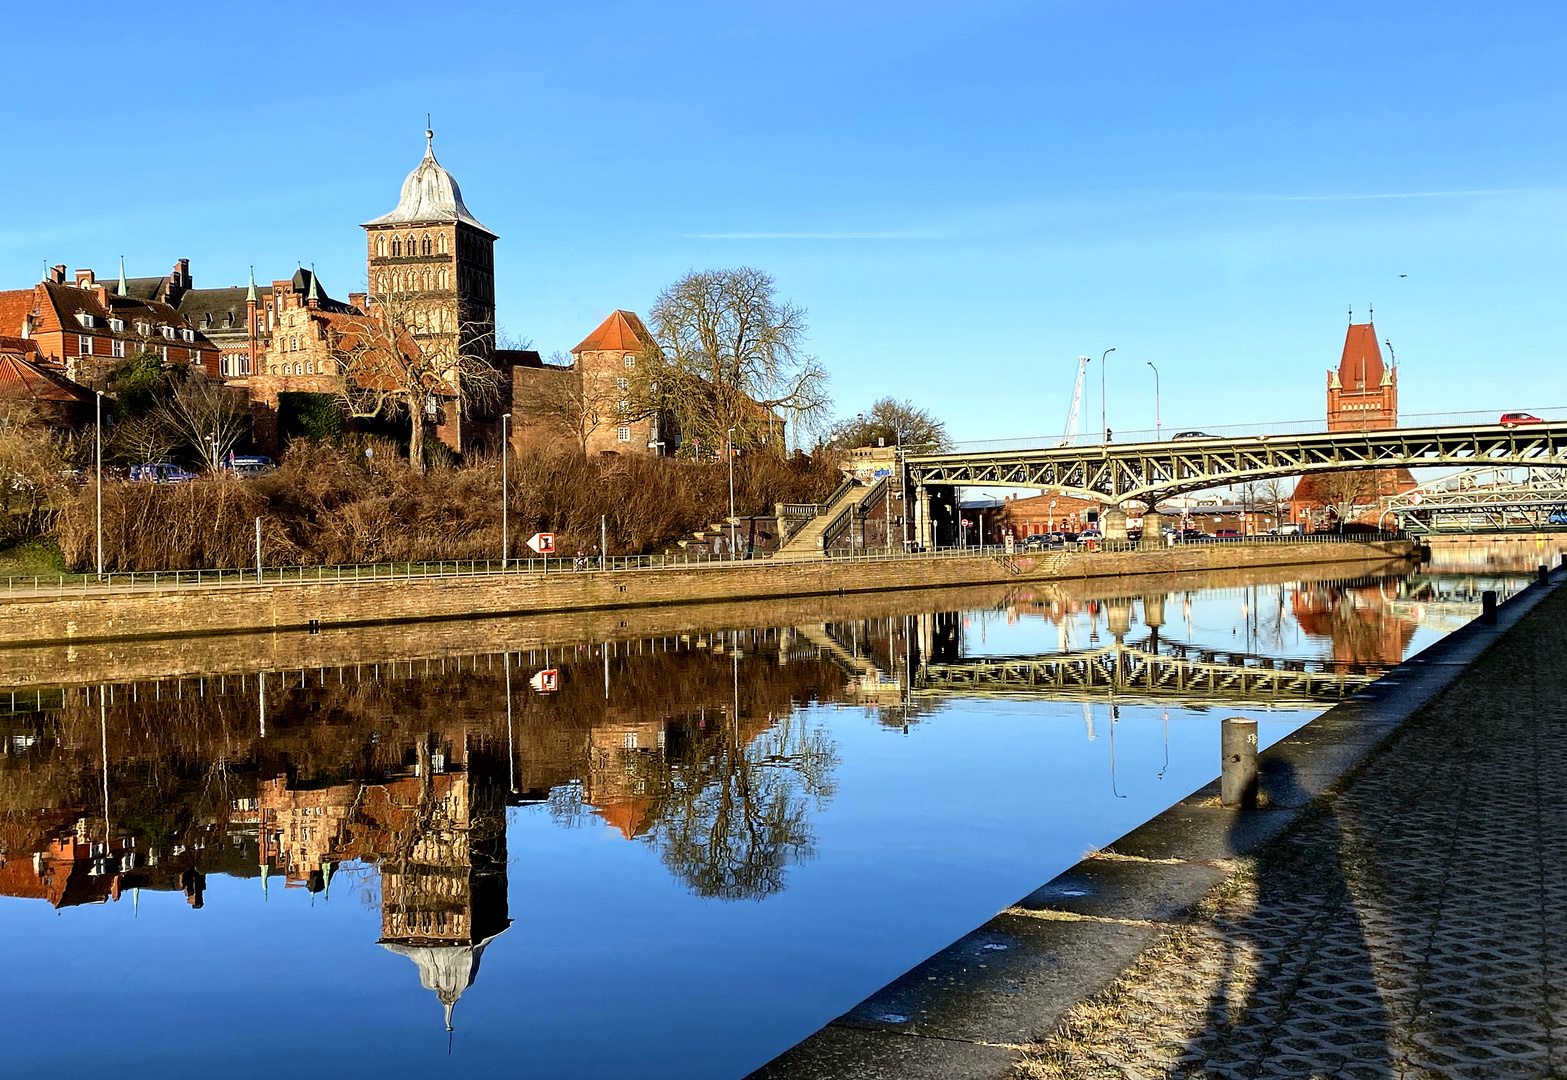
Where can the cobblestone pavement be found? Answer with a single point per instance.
(1413, 924)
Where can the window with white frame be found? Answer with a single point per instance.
(631, 361)
(84, 345)
(116, 347)
(117, 325)
(84, 318)
(190, 335)
(621, 384)
(623, 434)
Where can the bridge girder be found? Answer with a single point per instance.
(1131, 674)
(1149, 472)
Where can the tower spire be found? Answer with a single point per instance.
(123, 289)
(250, 294)
(429, 137)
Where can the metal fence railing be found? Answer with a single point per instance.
(164, 580)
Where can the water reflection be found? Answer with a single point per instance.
(709, 750)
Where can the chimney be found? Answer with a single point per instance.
(57, 274)
(359, 300)
(84, 279)
(182, 273)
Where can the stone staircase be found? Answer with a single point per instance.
(806, 542)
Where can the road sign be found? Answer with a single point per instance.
(543, 543)
(546, 681)
(1416, 498)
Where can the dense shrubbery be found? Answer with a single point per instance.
(323, 506)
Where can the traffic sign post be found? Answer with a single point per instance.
(544, 544)
(546, 681)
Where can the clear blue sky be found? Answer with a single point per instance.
(965, 196)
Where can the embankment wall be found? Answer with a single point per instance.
(150, 611)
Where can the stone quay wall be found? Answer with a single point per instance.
(156, 611)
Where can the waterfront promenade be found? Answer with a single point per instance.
(1394, 908)
(1409, 925)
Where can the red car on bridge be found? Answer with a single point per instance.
(1513, 419)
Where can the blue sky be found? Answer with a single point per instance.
(965, 196)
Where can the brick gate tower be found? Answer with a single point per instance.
(1363, 392)
(434, 258)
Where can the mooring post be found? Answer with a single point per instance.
(1488, 607)
(1238, 777)
(1545, 574)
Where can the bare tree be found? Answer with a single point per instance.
(897, 422)
(729, 355)
(565, 403)
(208, 416)
(1346, 494)
(140, 439)
(33, 465)
(403, 356)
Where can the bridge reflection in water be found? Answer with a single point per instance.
(393, 780)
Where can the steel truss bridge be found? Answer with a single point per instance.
(1169, 673)
(1463, 503)
(1151, 472)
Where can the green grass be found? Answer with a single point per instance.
(27, 558)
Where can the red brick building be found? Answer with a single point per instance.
(88, 328)
(1362, 396)
(27, 379)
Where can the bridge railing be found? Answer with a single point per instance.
(1167, 432)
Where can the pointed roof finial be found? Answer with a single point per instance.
(429, 137)
(313, 295)
(250, 294)
(123, 290)
(1371, 312)
(1352, 314)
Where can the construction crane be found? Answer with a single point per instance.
(1077, 400)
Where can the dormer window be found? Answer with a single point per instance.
(190, 335)
(84, 318)
(168, 332)
(117, 325)
(143, 328)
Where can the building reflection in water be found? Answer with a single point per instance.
(697, 747)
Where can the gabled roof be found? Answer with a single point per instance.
(621, 332)
(23, 379)
(1362, 358)
(430, 193)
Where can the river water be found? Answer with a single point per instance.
(666, 854)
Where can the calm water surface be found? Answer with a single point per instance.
(688, 855)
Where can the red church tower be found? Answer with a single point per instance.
(1363, 392)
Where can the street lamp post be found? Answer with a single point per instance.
(1104, 414)
(732, 523)
(98, 468)
(505, 492)
(1156, 424)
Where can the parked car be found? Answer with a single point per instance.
(1089, 534)
(1038, 542)
(161, 472)
(1559, 517)
(1289, 528)
(1226, 534)
(249, 465)
(1513, 419)
(1194, 536)
(1183, 436)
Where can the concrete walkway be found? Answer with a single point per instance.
(1411, 923)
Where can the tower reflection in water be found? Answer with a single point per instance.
(401, 773)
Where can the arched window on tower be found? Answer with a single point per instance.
(397, 247)
(440, 244)
(424, 244)
(413, 244)
(380, 245)
(424, 278)
(442, 278)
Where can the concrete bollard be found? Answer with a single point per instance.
(1545, 574)
(1238, 776)
(1488, 607)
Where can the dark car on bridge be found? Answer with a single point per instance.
(1513, 419)
(1183, 436)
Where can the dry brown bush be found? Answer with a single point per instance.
(323, 506)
